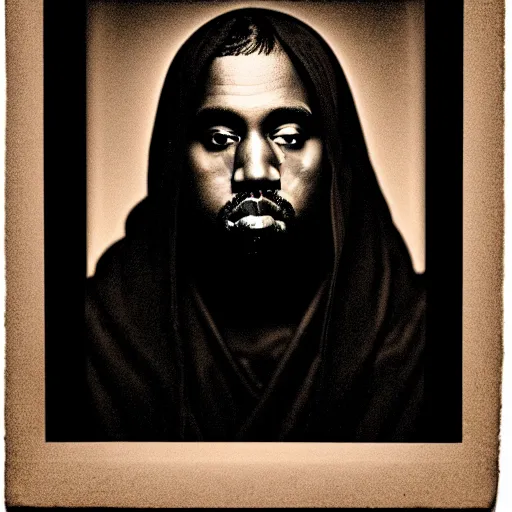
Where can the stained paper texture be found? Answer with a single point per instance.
(129, 47)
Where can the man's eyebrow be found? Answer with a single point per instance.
(219, 114)
(216, 115)
(281, 115)
(299, 110)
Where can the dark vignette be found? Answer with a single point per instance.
(65, 205)
(64, 48)
(443, 185)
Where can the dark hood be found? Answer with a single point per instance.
(355, 193)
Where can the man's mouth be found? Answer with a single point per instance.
(257, 216)
(257, 213)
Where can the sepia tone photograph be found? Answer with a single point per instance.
(261, 291)
(256, 263)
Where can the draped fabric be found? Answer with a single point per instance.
(158, 368)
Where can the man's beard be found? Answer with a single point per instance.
(240, 269)
(257, 225)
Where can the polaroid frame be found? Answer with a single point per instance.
(461, 474)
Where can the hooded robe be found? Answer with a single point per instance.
(156, 366)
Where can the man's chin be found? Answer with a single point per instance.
(256, 236)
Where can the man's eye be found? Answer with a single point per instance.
(220, 139)
(289, 136)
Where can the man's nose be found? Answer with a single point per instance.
(256, 166)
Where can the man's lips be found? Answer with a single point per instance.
(257, 213)
(256, 207)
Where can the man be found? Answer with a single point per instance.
(262, 292)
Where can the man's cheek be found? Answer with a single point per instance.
(214, 192)
(293, 190)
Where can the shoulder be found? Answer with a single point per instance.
(131, 268)
(126, 300)
(127, 285)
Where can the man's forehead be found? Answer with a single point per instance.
(252, 68)
(250, 81)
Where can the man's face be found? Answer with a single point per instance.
(255, 156)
